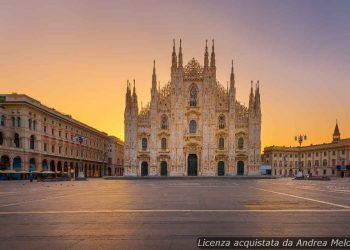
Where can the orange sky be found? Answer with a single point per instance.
(77, 57)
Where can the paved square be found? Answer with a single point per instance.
(167, 213)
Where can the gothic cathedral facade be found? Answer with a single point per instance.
(193, 126)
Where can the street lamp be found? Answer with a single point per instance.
(81, 174)
(300, 138)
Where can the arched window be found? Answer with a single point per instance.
(1, 138)
(2, 120)
(30, 123)
(240, 143)
(164, 143)
(324, 163)
(193, 127)
(221, 143)
(317, 163)
(16, 140)
(221, 122)
(17, 163)
(13, 122)
(5, 162)
(144, 143)
(34, 125)
(309, 163)
(32, 142)
(164, 122)
(291, 164)
(18, 121)
(193, 96)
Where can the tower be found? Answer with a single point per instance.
(336, 133)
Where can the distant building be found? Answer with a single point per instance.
(327, 159)
(34, 137)
(193, 125)
(115, 157)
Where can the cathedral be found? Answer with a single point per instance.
(193, 126)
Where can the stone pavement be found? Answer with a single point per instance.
(167, 213)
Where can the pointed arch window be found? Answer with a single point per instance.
(144, 143)
(221, 122)
(193, 127)
(240, 143)
(164, 122)
(221, 143)
(193, 96)
(164, 143)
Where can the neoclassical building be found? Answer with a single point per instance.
(327, 159)
(34, 137)
(192, 125)
(115, 157)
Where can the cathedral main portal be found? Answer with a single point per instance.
(192, 165)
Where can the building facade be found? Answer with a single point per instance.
(327, 159)
(34, 137)
(115, 157)
(193, 125)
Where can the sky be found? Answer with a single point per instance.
(76, 56)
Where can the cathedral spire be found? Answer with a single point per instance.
(127, 95)
(174, 59)
(257, 99)
(180, 55)
(336, 133)
(212, 58)
(232, 78)
(251, 97)
(206, 56)
(134, 99)
(154, 76)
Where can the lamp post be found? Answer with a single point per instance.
(300, 138)
(81, 174)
